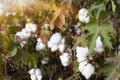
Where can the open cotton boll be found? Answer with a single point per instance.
(39, 77)
(19, 34)
(78, 31)
(99, 45)
(82, 52)
(61, 47)
(25, 34)
(38, 72)
(82, 66)
(40, 47)
(88, 71)
(81, 59)
(54, 47)
(45, 60)
(66, 59)
(31, 27)
(55, 38)
(81, 18)
(39, 40)
(49, 44)
(33, 77)
(63, 41)
(32, 71)
(82, 11)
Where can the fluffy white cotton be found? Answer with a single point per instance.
(88, 71)
(35, 74)
(32, 71)
(82, 52)
(81, 59)
(25, 34)
(49, 44)
(39, 77)
(33, 77)
(19, 34)
(45, 60)
(38, 72)
(31, 27)
(78, 31)
(82, 66)
(61, 47)
(56, 42)
(54, 47)
(56, 38)
(99, 45)
(83, 15)
(40, 46)
(66, 59)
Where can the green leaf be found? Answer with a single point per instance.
(96, 29)
(97, 9)
(13, 53)
(113, 6)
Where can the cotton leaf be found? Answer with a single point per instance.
(95, 29)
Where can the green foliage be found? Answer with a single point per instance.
(96, 29)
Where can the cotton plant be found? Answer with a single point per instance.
(26, 32)
(66, 59)
(83, 15)
(40, 45)
(56, 42)
(99, 45)
(35, 74)
(85, 68)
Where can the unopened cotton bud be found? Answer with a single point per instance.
(54, 47)
(55, 38)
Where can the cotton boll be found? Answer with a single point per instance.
(86, 18)
(32, 71)
(49, 44)
(38, 72)
(82, 66)
(31, 27)
(81, 59)
(39, 40)
(55, 38)
(63, 41)
(61, 47)
(45, 60)
(33, 77)
(22, 45)
(99, 45)
(66, 59)
(81, 18)
(19, 34)
(118, 50)
(25, 34)
(88, 71)
(82, 11)
(39, 77)
(54, 47)
(40, 47)
(82, 52)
